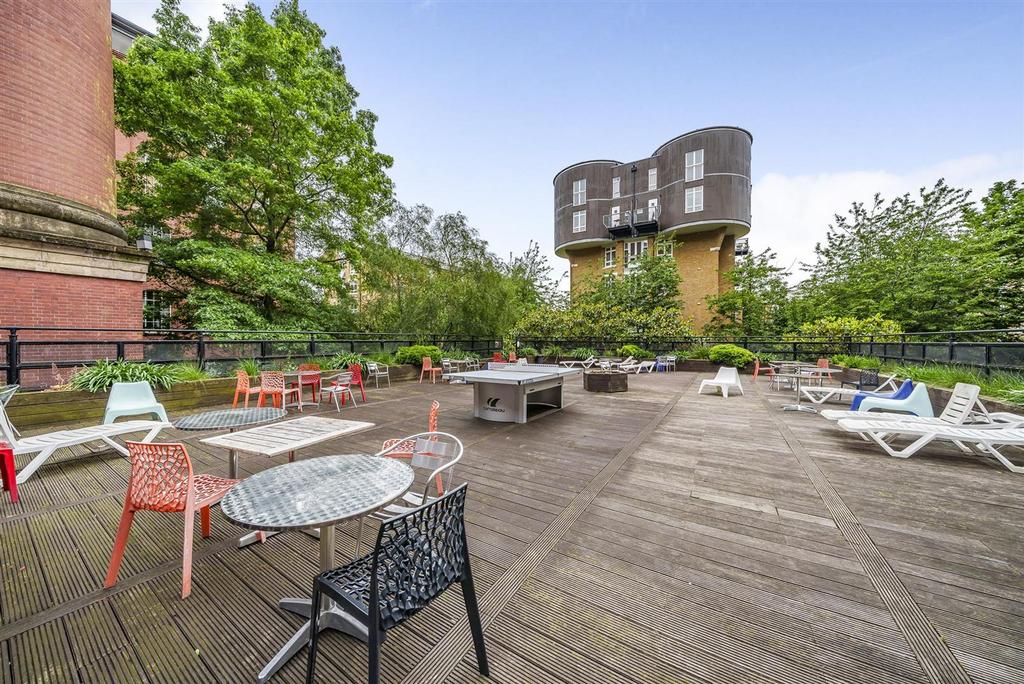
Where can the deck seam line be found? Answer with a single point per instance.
(438, 663)
(936, 658)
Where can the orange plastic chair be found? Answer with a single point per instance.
(272, 385)
(356, 369)
(242, 388)
(162, 481)
(7, 473)
(822, 363)
(497, 356)
(512, 358)
(309, 376)
(428, 367)
(405, 448)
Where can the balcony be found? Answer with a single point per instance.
(642, 222)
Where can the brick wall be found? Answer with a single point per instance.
(57, 106)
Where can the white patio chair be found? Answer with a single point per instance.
(435, 453)
(988, 439)
(132, 399)
(377, 370)
(726, 379)
(340, 385)
(668, 362)
(45, 445)
(7, 393)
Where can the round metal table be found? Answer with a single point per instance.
(318, 492)
(231, 420)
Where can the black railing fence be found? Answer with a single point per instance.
(33, 356)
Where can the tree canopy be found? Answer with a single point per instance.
(256, 169)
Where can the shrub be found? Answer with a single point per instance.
(766, 357)
(634, 351)
(528, 351)
(700, 351)
(854, 361)
(999, 385)
(730, 355)
(251, 367)
(346, 359)
(552, 350)
(325, 362)
(582, 353)
(381, 357)
(187, 371)
(100, 376)
(415, 354)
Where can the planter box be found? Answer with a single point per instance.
(31, 410)
(605, 381)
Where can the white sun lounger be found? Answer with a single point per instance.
(638, 367)
(819, 395)
(585, 363)
(963, 407)
(727, 378)
(986, 438)
(44, 445)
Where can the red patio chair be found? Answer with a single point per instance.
(497, 356)
(243, 388)
(162, 481)
(356, 369)
(429, 368)
(405, 448)
(309, 376)
(272, 385)
(7, 472)
(512, 358)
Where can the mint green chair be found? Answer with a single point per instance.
(132, 399)
(917, 403)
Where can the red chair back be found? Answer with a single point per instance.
(357, 373)
(435, 407)
(241, 381)
(822, 363)
(427, 363)
(272, 380)
(512, 357)
(757, 367)
(161, 477)
(309, 367)
(497, 357)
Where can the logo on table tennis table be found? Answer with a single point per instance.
(492, 404)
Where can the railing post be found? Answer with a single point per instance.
(201, 349)
(119, 350)
(264, 351)
(952, 348)
(13, 358)
(903, 348)
(988, 359)
(312, 344)
(795, 357)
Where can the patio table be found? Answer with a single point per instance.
(231, 419)
(808, 373)
(319, 492)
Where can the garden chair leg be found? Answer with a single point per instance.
(204, 521)
(120, 541)
(314, 633)
(186, 559)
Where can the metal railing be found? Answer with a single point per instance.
(984, 350)
(626, 218)
(41, 349)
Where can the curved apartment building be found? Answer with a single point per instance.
(694, 192)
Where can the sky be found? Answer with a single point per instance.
(481, 103)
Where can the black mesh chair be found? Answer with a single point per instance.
(418, 555)
(866, 379)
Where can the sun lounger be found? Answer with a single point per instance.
(45, 445)
(727, 378)
(988, 439)
(583, 363)
(819, 395)
(638, 367)
(963, 407)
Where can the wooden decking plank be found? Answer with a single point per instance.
(43, 654)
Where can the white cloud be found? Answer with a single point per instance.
(792, 213)
(199, 11)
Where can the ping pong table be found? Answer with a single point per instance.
(515, 393)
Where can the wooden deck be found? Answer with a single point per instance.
(652, 536)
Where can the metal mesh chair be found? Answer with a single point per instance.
(243, 388)
(272, 385)
(417, 556)
(866, 378)
(341, 385)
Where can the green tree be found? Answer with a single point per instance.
(649, 283)
(994, 297)
(903, 260)
(756, 304)
(256, 170)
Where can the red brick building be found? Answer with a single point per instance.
(64, 259)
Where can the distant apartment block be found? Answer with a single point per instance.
(693, 192)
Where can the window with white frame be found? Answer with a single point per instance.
(694, 199)
(695, 165)
(615, 187)
(615, 216)
(156, 310)
(579, 192)
(663, 248)
(579, 221)
(609, 257)
(634, 250)
(652, 179)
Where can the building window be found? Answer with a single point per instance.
(579, 221)
(615, 187)
(694, 199)
(609, 257)
(652, 179)
(663, 248)
(156, 310)
(695, 165)
(615, 216)
(579, 192)
(353, 286)
(652, 209)
(634, 250)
